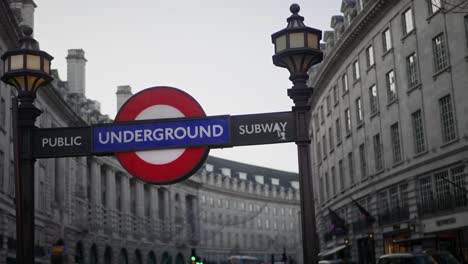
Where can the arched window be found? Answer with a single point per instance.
(123, 258)
(79, 253)
(151, 258)
(108, 255)
(93, 259)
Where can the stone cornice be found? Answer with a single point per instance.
(10, 31)
(252, 196)
(361, 25)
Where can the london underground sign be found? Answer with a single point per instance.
(161, 135)
(161, 166)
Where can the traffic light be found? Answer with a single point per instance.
(194, 259)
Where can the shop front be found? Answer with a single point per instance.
(391, 240)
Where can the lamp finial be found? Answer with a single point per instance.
(294, 8)
(27, 30)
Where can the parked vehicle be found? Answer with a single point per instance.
(331, 261)
(443, 257)
(418, 258)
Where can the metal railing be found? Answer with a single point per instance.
(394, 215)
(442, 203)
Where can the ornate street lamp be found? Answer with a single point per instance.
(297, 48)
(27, 69)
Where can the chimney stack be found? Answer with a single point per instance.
(124, 92)
(76, 74)
(24, 11)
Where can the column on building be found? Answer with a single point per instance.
(154, 203)
(140, 204)
(167, 213)
(95, 194)
(59, 181)
(110, 197)
(125, 201)
(183, 214)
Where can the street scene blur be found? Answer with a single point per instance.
(375, 111)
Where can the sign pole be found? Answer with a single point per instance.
(300, 94)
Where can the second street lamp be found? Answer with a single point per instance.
(27, 69)
(297, 48)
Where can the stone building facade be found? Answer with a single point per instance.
(389, 130)
(104, 215)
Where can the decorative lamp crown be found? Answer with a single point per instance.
(297, 47)
(27, 68)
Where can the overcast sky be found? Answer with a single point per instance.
(216, 50)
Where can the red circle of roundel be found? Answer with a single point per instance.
(182, 167)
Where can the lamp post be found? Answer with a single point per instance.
(27, 69)
(297, 48)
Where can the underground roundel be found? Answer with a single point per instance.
(161, 166)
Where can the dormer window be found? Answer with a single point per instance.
(295, 184)
(274, 181)
(259, 179)
(226, 172)
(209, 167)
(242, 175)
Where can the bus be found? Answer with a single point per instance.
(243, 260)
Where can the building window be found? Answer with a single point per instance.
(333, 180)
(359, 117)
(324, 145)
(327, 187)
(330, 138)
(347, 121)
(322, 114)
(319, 154)
(391, 86)
(418, 132)
(435, 6)
(259, 179)
(447, 119)
(316, 121)
(341, 172)
(425, 193)
(370, 56)
(374, 100)
(466, 29)
(408, 24)
(386, 40)
(2, 113)
(378, 153)
(344, 82)
(412, 69)
(274, 181)
(362, 157)
(396, 146)
(335, 95)
(322, 198)
(242, 175)
(351, 167)
(329, 106)
(356, 73)
(2, 170)
(439, 52)
(11, 181)
(338, 131)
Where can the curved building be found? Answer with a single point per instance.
(101, 214)
(389, 129)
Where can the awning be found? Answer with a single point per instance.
(331, 251)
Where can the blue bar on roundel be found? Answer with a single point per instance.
(161, 134)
